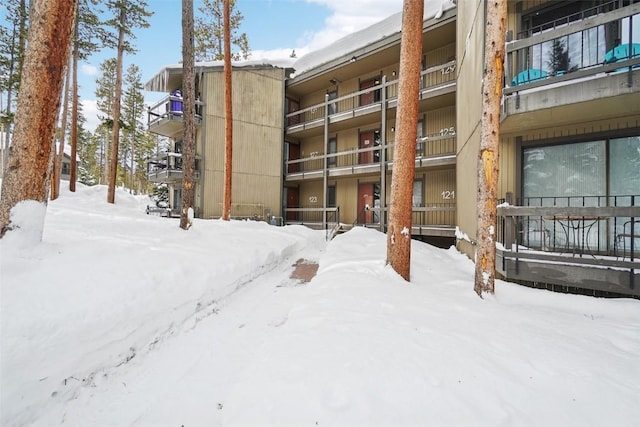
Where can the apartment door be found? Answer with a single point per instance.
(293, 153)
(333, 106)
(293, 199)
(368, 197)
(369, 139)
(292, 105)
(371, 96)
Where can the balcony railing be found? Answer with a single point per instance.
(571, 48)
(436, 149)
(170, 108)
(584, 242)
(436, 219)
(167, 168)
(441, 77)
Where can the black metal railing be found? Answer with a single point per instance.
(576, 225)
(572, 47)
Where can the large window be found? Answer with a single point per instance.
(566, 172)
(591, 173)
(609, 167)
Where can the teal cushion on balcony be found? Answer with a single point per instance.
(528, 75)
(621, 52)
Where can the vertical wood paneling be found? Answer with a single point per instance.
(257, 140)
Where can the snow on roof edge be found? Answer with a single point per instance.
(158, 82)
(354, 41)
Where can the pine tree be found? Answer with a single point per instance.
(58, 154)
(399, 231)
(188, 138)
(488, 165)
(208, 32)
(132, 109)
(46, 55)
(105, 89)
(13, 39)
(128, 15)
(228, 113)
(558, 57)
(87, 33)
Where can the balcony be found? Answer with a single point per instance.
(167, 169)
(434, 150)
(588, 243)
(569, 68)
(165, 117)
(435, 81)
(432, 220)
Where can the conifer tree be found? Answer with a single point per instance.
(13, 39)
(127, 16)
(208, 32)
(46, 55)
(488, 165)
(105, 90)
(228, 113)
(399, 232)
(188, 136)
(132, 109)
(87, 33)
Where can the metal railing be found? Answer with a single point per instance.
(368, 99)
(571, 47)
(596, 226)
(355, 159)
(170, 107)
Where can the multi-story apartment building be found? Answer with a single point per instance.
(340, 127)
(257, 138)
(570, 137)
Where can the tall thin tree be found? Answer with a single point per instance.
(130, 14)
(228, 117)
(188, 137)
(208, 32)
(58, 155)
(399, 231)
(13, 48)
(488, 156)
(87, 30)
(46, 55)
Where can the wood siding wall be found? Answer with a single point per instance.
(470, 33)
(257, 142)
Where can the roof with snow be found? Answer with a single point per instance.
(170, 76)
(367, 36)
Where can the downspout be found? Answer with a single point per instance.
(383, 156)
(324, 162)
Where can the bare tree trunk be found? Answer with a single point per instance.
(115, 133)
(27, 174)
(228, 113)
(488, 166)
(59, 155)
(73, 174)
(399, 231)
(188, 92)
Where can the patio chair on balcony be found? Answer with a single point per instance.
(536, 231)
(529, 75)
(628, 234)
(621, 53)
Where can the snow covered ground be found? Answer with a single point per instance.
(118, 318)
